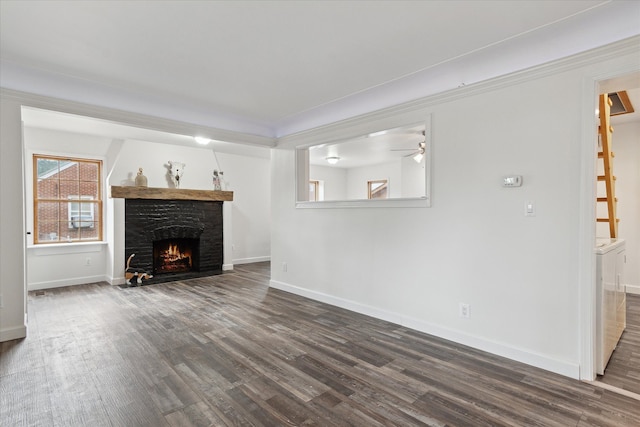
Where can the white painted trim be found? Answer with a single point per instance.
(25, 227)
(302, 171)
(338, 302)
(633, 289)
(115, 281)
(13, 333)
(67, 282)
(587, 218)
(415, 111)
(227, 236)
(587, 235)
(66, 248)
(422, 202)
(251, 260)
(134, 119)
(562, 367)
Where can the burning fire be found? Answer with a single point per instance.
(174, 257)
(173, 254)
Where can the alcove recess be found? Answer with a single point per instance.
(154, 214)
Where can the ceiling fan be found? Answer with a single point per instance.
(416, 153)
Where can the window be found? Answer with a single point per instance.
(80, 213)
(378, 189)
(67, 199)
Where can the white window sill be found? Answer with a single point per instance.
(66, 248)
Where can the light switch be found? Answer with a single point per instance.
(529, 208)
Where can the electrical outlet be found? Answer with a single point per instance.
(464, 310)
(87, 261)
(284, 267)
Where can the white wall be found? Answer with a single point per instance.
(520, 275)
(626, 145)
(357, 179)
(405, 176)
(413, 182)
(153, 158)
(12, 232)
(334, 181)
(247, 177)
(63, 265)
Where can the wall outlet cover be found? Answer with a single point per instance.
(464, 310)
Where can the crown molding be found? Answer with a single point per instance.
(414, 111)
(133, 119)
(398, 115)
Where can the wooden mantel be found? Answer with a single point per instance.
(170, 194)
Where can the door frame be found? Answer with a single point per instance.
(587, 217)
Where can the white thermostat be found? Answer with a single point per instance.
(512, 181)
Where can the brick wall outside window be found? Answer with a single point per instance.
(67, 199)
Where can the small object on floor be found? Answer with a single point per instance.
(130, 273)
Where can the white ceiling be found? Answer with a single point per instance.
(45, 119)
(273, 68)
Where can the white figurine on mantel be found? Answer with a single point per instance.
(176, 169)
(217, 180)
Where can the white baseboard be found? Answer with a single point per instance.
(227, 267)
(251, 260)
(66, 282)
(633, 289)
(562, 367)
(15, 333)
(116, 281)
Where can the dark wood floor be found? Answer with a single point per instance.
(623, 370)
(227, 350)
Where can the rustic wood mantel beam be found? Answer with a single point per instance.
(118, 192)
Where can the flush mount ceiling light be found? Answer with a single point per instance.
(374, 134)
(202, 140)
(332, 160)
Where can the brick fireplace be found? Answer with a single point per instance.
(173, 239)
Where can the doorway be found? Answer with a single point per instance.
(621, 372)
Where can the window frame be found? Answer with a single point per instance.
(365, 125)
(372, 192)
(316, 189)
(80, 201)
(66, 222)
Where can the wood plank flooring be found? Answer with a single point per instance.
(623, 370)
(227, 350)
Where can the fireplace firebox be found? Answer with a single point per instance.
(175, 255)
